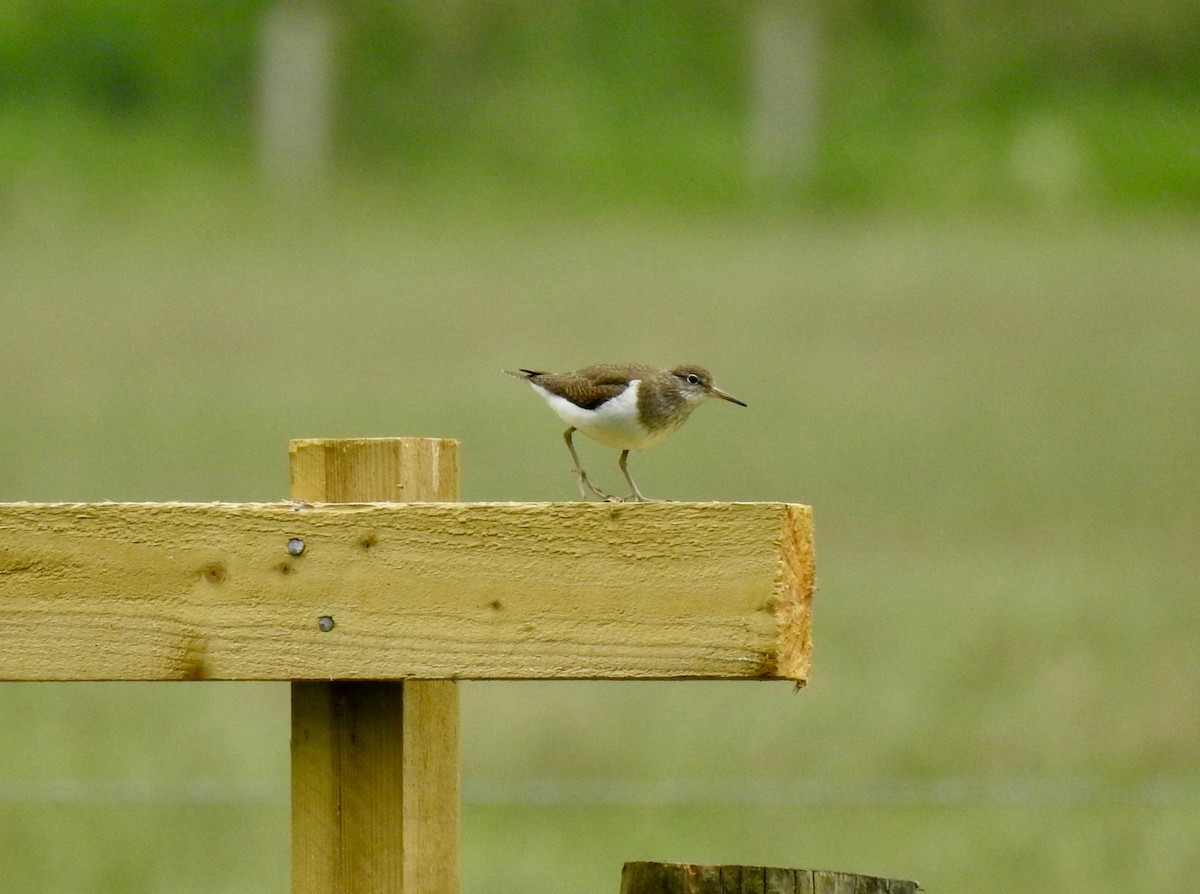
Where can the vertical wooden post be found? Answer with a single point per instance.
(785, 63)
(295, 91)
(375, 796)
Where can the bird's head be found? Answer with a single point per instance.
(696, 384)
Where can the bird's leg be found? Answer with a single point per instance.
(584, 481)
(637, 494)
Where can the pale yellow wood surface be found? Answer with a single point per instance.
(359, 470)
(375, 778)
(424, 590)
(431, 786)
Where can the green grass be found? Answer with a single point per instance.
(993, 417)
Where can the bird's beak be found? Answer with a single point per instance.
(725, 395)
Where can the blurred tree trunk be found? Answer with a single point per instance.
(295, 90)
(784, 50)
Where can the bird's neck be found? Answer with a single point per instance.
(662, 407)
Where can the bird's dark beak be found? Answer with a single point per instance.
(725, 395)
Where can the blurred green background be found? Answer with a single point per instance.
(949, 253)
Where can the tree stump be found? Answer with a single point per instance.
(691, 878)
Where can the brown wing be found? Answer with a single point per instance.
(590, 387)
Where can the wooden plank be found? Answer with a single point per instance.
(120, 591)
(375, 778)
(691, 878)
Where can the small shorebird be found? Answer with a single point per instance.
(627, 406)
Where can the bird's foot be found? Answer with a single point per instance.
(585, 485)
(639, 497)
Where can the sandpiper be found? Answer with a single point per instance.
(627, 406)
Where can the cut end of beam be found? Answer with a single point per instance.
(797, 579)
(392, 470)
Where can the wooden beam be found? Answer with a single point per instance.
(217, 591)
(375, 802)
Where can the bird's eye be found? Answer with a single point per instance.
(693, 379)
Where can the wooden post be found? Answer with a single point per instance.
(375, 764)
(689, 878)
(785, 55)
(295, 91)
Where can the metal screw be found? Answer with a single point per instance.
(295, 546)
(325, 623)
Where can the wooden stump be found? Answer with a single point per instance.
(691, 878)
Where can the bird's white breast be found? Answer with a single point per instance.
(615, 423)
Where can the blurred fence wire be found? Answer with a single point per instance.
(940, 792)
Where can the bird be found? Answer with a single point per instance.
(627, 406)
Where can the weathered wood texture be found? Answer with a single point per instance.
(690, 878)
(108, 591)
(375, 782)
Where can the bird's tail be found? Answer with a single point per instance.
(525, 374)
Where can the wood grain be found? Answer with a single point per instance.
(692, 878)
(162, 591)
(375, 778)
